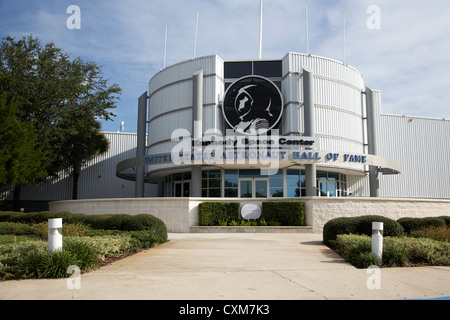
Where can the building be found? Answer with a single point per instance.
(330, 138)
(321, 133)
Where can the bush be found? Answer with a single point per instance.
(83, 246)
(397, 251)
(338, 226)
(391, 228)
(422, 250)
(435, 233)
(210, 212)
(356, 250)
(394, 254)
(446, 219)
(76, 224)
(288, 213)
(358, 225)
(411, 224)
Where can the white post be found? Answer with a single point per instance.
(54, 234)
(377, 239)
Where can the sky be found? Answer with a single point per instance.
(402, 48)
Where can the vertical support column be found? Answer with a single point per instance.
(371, 105)
(310, 130)
(197, 130)
(141, 137)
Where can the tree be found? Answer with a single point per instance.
(83, 141)
(20, 158)
(51, 90)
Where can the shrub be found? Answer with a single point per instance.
(288, 213)
(338, 226)
(432, 232)
(210, 212)
(411, 224)
(146, 238)
(32, 265)
(15, 228)
(422, 250)
(356, 250)
(394, 254)
(446, 219)
(397, 251)
(391, 228)
(85, 255)
(358, 225)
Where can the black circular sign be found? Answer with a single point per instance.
(252, 105)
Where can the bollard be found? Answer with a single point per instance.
(377, 240)
(54, 234)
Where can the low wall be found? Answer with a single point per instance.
(319, 210)
(180, 214)
(177, 213)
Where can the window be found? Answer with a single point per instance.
(295, 183)
(231, 181)
(331, 184)
(211, 183)
(276, 185)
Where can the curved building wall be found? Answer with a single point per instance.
(339, 103)
(171, 98)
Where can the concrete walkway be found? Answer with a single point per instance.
(238, 266)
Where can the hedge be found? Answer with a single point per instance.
(413, 224)
(121, 222)
(288, 213)
(210, 212)
(397, 251)
(361, 225)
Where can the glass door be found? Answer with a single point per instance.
(332, 189)
(327, 188)
(186, 189)
(182, 189)
(246, 188)
(260, 189)
(253, 188)
(178, 189)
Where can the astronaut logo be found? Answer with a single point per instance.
(252, 105)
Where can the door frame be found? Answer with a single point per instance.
(253, 186)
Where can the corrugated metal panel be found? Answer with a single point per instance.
(184, 70)
(421, 145)
(321, 66)
(162, 127)
(171, 98)
(98, 177)
(333, 122)
(337, 90)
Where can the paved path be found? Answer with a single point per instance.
(238, 266)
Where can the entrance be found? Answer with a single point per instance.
(253, 188)
(327, 188)
(182, 189)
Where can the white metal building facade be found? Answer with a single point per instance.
(420, 145)
(340, 124)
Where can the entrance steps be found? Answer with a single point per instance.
(259, 229)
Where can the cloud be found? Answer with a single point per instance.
(407, 59)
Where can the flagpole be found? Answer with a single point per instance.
(195, 39)
(165, 47)
(260, 28)
(307, 30)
